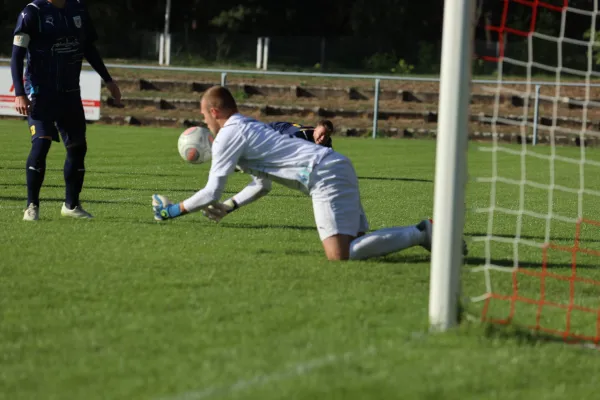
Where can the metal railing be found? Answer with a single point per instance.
(376, 80)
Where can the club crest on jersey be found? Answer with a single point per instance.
(77, 21)
(49, 20)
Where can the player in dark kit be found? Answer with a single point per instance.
(319, 134)
(55, 35)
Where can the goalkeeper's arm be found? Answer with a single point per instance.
(207, 200)
(256, 189)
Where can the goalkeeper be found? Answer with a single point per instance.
(326, 176)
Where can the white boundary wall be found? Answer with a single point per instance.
(90, 94)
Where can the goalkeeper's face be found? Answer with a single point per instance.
(320, 134)
(210, 117)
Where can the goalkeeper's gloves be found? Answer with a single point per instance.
(216, 212)
(164, 209)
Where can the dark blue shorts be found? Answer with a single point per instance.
(51, 114)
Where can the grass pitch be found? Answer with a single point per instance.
(123, 307)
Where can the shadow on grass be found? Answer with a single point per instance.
(62, 199)
(150, 191)
(524, 336)
(475, 261)
(388, 178)
(203, 221)
(93, 172)
(290, 252)
(268, 226)
(533, 237)
(400, 258)
(177, 174)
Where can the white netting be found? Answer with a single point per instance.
(536, 206)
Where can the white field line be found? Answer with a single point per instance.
(292, 371)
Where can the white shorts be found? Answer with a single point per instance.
(336, 199)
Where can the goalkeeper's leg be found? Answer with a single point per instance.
(391, 240)
(340, 218)
(340, 221)
(378, 243)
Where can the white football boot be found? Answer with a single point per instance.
(77, 212)
(32, 213)
(426, 226)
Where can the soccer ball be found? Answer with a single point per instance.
(195, 145)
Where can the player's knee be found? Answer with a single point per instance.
(337, 253)
(39, 150)
(337, 247)
(355, 253)
(78, 146)
(359, 248)
(264, 191)
(265, 188)
(76, 152)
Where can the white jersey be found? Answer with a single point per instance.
(263, 152)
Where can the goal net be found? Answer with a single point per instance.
(534, 202)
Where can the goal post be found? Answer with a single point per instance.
(451, 168)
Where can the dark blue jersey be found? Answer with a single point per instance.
(58, 42)
(299, 131)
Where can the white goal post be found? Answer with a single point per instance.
(451, 169)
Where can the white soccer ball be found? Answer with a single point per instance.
(195, 145)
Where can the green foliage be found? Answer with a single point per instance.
(379, 62)
(188, 59)
(388, 62)
(596, 46)
(546, 22)
(230, 21)
(407, 29)
(428, 58)
(483, 68)
(233, 19)
(223, 46)
(403, 68)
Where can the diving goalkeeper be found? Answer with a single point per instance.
(326, 176)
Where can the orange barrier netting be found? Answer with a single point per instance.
(544, 275)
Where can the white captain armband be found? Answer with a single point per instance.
(21, 40)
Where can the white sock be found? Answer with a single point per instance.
(385, 241)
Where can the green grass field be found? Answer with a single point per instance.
(123, 307)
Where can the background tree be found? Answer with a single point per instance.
(395, 30)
